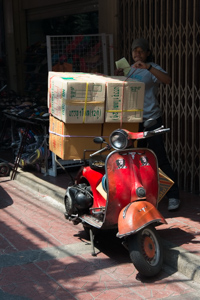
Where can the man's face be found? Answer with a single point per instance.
(139, 54)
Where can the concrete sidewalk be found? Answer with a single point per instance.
(181, 236)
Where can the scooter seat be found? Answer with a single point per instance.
(97, 162)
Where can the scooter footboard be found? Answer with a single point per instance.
(137, 215)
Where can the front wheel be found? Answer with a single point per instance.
(146, 251)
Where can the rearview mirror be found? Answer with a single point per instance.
(98, 140)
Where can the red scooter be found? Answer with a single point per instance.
(120, 191)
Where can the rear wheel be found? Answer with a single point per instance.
(146, 251)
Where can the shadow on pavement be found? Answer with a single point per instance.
(5, 199)
(6, 296)
(107, 243)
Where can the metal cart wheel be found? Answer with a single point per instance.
(4, 169)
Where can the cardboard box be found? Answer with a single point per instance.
(124, 100)
(165, 184)
(81, 98)
(76, 97)
(52, 74)
(68, 141)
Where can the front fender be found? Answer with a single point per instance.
(137, 215)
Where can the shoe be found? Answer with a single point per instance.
(173, 204)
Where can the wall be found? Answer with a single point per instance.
(36, 9)
(109, 22)
(10, 45)
(17, 13)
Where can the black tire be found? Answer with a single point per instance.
(146, 251)
(4, 169)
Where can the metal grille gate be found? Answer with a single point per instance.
(80, 53)
(173, 30)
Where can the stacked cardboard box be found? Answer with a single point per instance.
(125, 99)
(68, 141)
(84, 105)
(74, 98)
(88, 98)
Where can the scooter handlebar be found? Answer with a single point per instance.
(124, 136)
(156, 131)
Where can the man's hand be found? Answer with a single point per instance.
(161, 76)
(119, 72)
(141, 65)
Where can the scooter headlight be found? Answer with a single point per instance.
(119, 139)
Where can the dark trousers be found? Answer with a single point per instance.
(156, 144)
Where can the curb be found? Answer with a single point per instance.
(182, 261)
(179, 259)
(40, 186)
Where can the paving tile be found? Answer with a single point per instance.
(28, 224)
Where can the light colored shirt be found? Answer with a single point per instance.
(151, 104)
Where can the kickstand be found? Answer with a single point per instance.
(92, 242)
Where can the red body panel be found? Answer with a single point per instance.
(94, 178)
(125, 171)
